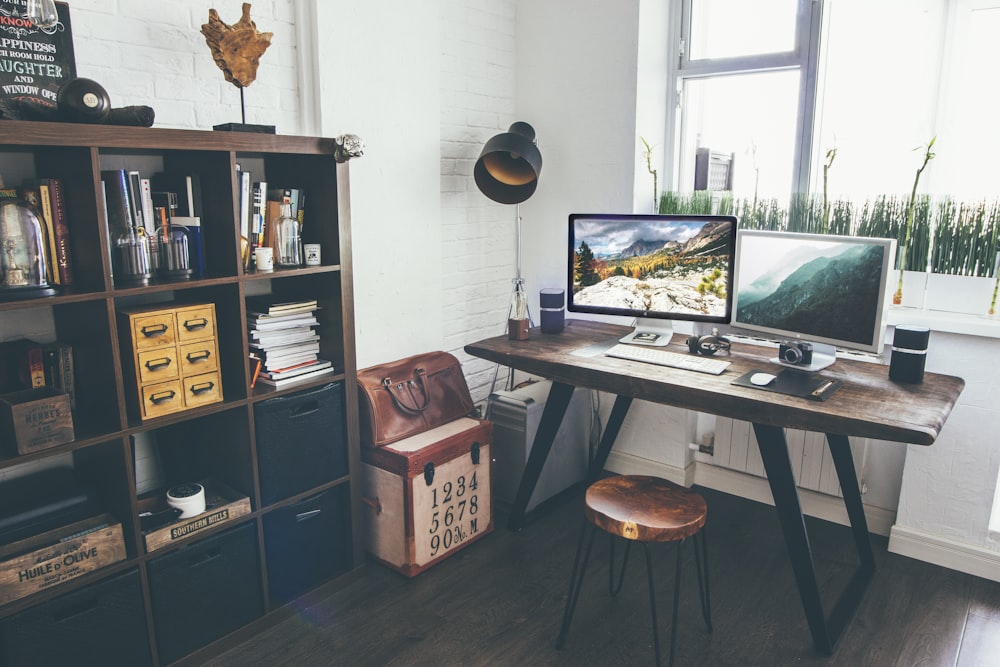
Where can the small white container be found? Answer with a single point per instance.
(188, 498)
(264, 259)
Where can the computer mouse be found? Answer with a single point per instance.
(762, 379)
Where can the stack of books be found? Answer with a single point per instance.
(284, 343)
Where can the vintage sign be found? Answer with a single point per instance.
(34, 61)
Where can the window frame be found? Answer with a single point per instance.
(804, 58)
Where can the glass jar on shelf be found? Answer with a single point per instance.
(287, 239)
(174, 256)
(134, 266)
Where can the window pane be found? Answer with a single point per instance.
(752, 116)
(728, 28)
(879, 103)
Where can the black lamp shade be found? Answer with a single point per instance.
(508, 167)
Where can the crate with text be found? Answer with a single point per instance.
(429, 495)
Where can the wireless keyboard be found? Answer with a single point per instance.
(661, 357)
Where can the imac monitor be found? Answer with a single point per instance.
(656, 268)
(813, 288)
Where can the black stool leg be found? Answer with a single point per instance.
(576, 582)
(652, 607)
(611, 566)
(701, 561)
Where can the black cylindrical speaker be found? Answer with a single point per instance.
(551, 302)
(909, 353)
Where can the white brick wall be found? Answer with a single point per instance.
(153, 53)
(477, 235)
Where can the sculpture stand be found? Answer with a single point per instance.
(244, 127)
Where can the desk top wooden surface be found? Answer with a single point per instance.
(867, 405)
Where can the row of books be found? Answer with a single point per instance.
(26, 364)
(156, 204)
(259, 205)
(48, 199)
(284, 342)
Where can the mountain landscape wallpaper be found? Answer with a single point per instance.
(677, 267)
(817, 288)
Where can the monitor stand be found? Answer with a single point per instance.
(823, 356)
(650, 331)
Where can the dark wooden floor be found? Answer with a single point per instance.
(500, 601)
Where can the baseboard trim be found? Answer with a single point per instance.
(967, 558)
(819, 505)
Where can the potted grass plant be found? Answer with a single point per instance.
(897, 297)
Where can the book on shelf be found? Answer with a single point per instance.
(278, 383)
(258, 194)
(263, 306)
(289, 323)
(284, 361)
(282, 336)
(135, 200)
(60, 227)
(59, 372)
(118, 204)
(275, 352)
(187, 188)
(298, 369)
(22, 365)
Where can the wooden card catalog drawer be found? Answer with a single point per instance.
(173, 356)
(195, 323)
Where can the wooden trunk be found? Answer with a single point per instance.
(429, 495)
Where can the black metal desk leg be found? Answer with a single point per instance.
(548, 427)
(615, 420)
(778, 465)
(826, 631)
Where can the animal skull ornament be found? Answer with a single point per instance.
(348, 146)
(236, 48)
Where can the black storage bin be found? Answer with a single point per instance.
(307, 543)
(300, 441)
(205, 590)
(100, 625)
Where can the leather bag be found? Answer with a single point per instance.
(406, 397)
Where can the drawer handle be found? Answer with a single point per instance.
(157, 364)
(162, 397)
(153, 330)
(195, 357)
(202, 388)
(78, 609)
(305, 516)
(205, 558)
(305, 410)
(199, 323)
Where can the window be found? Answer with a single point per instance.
(783, 85)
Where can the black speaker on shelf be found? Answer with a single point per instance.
(909, 353)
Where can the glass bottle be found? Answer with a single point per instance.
(287, 239)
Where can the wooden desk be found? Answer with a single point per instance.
(867, 405)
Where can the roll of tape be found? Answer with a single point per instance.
(188, 498)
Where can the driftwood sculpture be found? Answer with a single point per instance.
(236, 48)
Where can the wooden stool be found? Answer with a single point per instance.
(642, 509)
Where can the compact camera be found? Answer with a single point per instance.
(792, 352)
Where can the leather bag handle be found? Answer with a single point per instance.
(398, 396)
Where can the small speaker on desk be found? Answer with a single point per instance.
(551, 302)
(909, 353)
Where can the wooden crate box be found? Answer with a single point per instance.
(429, 495)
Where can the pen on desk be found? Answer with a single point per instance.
(818, 391)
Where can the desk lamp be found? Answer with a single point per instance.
(507, 172)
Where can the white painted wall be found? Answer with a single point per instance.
(425, 84)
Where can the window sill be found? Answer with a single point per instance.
(937, 320)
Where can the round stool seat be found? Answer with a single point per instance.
(646, 509)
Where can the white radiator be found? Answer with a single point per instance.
(734, 446)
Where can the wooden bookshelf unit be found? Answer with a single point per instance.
(232, 574)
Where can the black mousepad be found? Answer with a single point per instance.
(794, 383)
